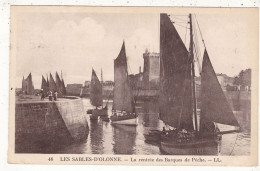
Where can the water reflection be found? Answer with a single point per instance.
(105, 138)
(236, 144)
(150, 115)
(124, 138)
(96, 137)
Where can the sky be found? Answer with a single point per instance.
(76, 42)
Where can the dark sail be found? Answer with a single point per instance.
(123, 100)
(48, 84)
(47, 81)
(95, 90)
(59, 85)
(28, 85)
(63, 87)
(214, 105)
(23, 84)
(175, 100)
(52, 84)
(44, 86)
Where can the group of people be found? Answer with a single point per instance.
(120, 113)
(50, 95)
(179, 135)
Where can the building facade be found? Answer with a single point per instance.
(74, 89)
(225, 81)
(151, 73)
(108, 88)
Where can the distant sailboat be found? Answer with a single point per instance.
(44, 87)
(123, 111)
(23, 85)
(47, 82)
(63, 85)
(59, 86)
(177, 100)
(27, 85)
(96, 97)
(52, 84)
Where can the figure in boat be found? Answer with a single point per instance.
(96, 98)
(123, 110)
(178, 109)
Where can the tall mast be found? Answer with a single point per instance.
(193, 76)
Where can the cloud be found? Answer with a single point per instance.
(75, 43)
(75, 48)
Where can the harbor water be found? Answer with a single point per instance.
(105, 138)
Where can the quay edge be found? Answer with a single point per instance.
(45, 126)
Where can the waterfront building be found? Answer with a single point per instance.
(136, 80)
(74, 89)
(225, 81)
(108, 88)
(87, 84)
(83, 90)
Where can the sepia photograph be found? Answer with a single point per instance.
(133, 82)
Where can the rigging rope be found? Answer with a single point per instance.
(180, 25)
(200, 31)
(179, 18)
(197, 49)
(179, 22)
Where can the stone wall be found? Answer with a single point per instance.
(45, 126)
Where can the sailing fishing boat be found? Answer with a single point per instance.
(27, 85)
(123, 110)
(96, 97)
(44, 87)
(59, 86)
(177, 99)
(63, 85)
(52, 84)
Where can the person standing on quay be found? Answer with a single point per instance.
(55, 95)
(42, 95)
(50, 95)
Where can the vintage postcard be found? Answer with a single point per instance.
(133, 86)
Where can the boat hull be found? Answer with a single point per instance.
(106, 119)
(153, 136)
(119, 117)
(89, 111)
(210, 146)
(132, 121)
(100, 112)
